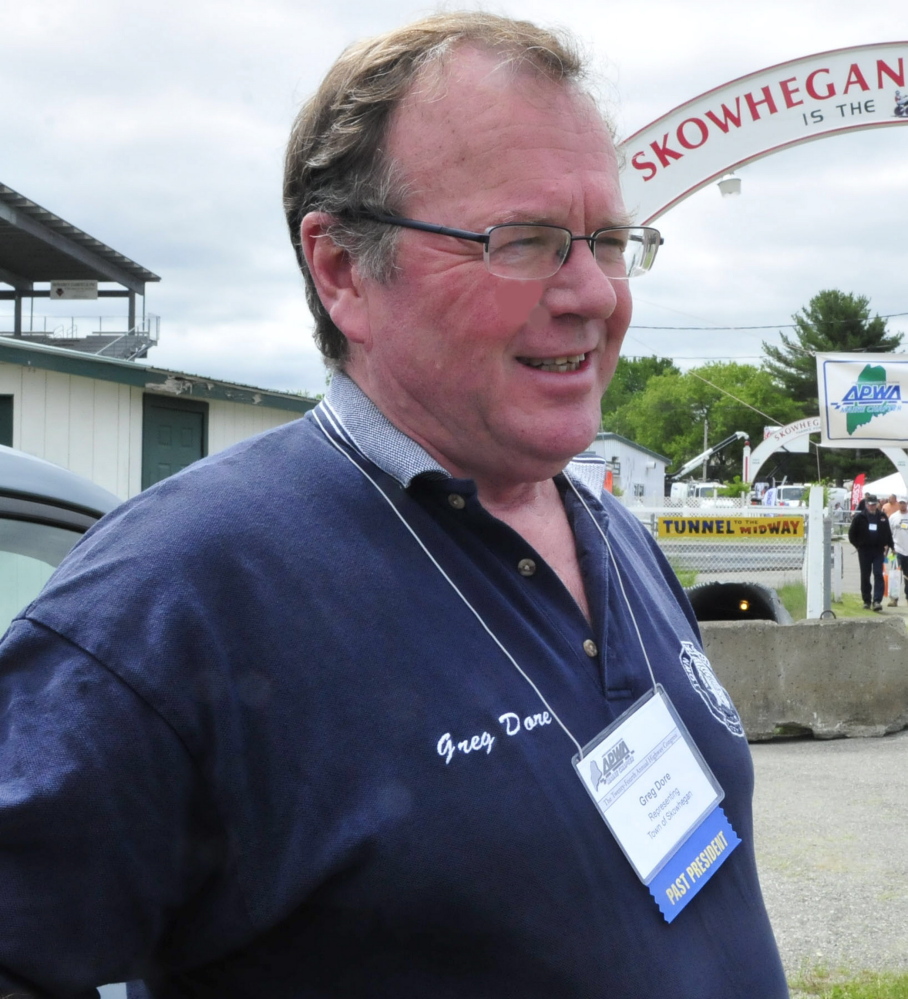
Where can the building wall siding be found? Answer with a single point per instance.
(229, 423)
(642, 476)
(94, 427)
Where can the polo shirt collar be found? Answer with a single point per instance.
(400, 456)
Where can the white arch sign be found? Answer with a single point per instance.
(778, 439)
(756, 115)
(803, 428)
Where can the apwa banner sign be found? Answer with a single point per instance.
(863, 400)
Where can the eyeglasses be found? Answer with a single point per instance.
(535, 252)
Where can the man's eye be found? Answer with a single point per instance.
(517, 244)
(521, 243)
(610, 244)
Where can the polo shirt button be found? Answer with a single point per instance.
(457, 501)
(526, 567)
(589, 647)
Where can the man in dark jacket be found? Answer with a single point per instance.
(871, 536)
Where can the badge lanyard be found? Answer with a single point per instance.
(645, 775)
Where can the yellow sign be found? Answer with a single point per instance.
(736, 528)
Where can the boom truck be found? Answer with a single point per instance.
(700, 491)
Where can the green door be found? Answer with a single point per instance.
(174, 435)
(6, 420)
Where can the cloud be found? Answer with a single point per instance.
(160, 130)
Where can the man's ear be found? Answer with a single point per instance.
(336, 276)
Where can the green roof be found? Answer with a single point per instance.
(159, 380)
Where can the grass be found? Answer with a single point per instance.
(686, 577)
(851, 605)
(794, 600)
(820, 983)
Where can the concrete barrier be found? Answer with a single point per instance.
(822, 678)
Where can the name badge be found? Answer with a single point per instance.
(659, 799)
(871, 527)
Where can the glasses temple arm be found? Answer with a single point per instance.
(442, 230)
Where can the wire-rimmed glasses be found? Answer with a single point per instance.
(533, 252)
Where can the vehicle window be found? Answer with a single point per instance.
(29, 553)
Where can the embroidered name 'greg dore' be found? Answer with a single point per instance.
(511, 724)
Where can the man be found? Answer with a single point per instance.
(898, 525)
(300, 721)
(891, 505)
(869, 533)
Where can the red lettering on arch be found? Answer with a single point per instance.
(814, 93)
(701, 128)
(727, 116)
(788, 92)
(897, 77)
(855, 79)
(663, 153)
(645, 166)
(753, 103)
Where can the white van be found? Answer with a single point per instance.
(792, 495)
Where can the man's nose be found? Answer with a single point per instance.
(582, 287)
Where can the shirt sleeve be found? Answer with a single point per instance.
(102, 827)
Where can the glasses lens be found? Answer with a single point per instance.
(628, 252)
(526, 252)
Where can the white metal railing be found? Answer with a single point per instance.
(68, 327)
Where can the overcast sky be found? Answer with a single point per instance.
(159, 129)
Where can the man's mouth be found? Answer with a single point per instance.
(558, 364)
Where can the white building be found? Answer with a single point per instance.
(638, 472)
(89, 402)
(123, 424)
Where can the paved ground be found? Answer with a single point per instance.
(832, 842)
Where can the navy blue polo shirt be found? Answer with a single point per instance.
(258, 745)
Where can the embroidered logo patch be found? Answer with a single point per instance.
(706, 683)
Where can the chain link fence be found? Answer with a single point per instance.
(730, 539)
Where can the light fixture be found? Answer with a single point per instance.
(730, 185)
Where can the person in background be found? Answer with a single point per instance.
(869, 533)
(898, 525)
(891, 505)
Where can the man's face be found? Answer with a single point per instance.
(452, 353)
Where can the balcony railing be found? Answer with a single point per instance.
(105, 336)
(72, 327)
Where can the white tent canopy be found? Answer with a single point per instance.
(884, 487)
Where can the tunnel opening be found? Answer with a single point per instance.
(737, 602)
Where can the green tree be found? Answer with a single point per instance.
(832, 322)
(668, 415)
(631, 376)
